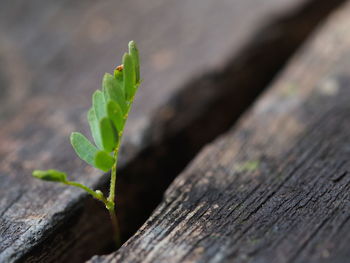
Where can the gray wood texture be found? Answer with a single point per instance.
(203, 62)
(275, 188)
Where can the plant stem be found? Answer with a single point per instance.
(111, 196)
(87, 189)
(110, 204)
(115, 225)
(111, 199)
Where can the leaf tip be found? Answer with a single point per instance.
(50, 175)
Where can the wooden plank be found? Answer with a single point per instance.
(276, 187)
(53, 56)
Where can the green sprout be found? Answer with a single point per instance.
(107, 118)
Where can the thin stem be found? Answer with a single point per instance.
(111, 196)
(87, 189)
(108, 203)
(111, 199)
(115, 225)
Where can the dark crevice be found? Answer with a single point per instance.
(205, 108)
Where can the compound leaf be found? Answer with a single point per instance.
(133, 51)
(104, 161)
(99, 104)
(113, 90)
(83, 147)
(108, 134)
(94, 127)
(115, 114)
(129, 76)
(51, 175)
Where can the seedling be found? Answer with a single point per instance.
(107, 118)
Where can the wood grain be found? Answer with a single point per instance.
(53, 56)
(275, 188)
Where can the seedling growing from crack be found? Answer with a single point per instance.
(107, 118)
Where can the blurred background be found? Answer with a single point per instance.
(50, 47)
(203, 62)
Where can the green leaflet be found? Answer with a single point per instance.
(94, 127)
(99, 104)
(115, 114)
(133, 51)
(104, 161)
(108, 134)
(113, 90)
(83, 147)
(129, 76)
(50, 175)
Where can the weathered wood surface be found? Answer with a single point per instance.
(53, 55)
(276, 188)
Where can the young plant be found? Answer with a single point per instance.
(107, 118)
